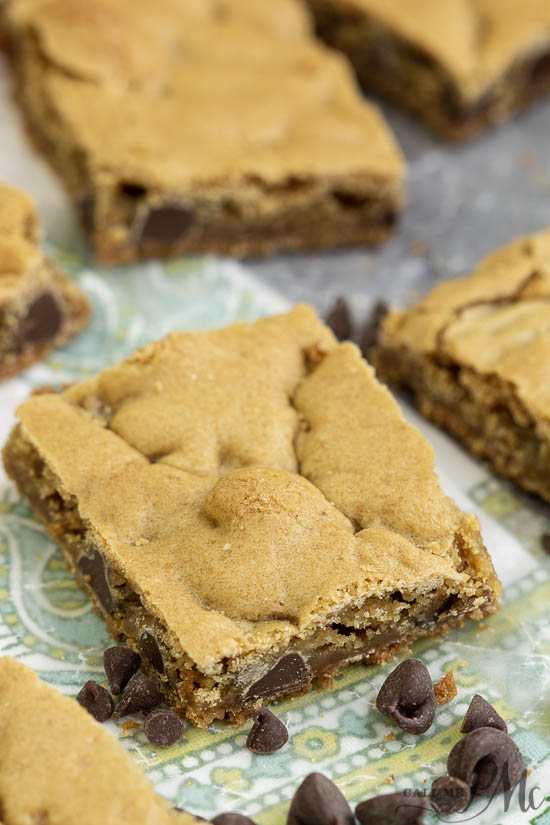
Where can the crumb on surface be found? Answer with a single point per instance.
(445, 689)
(389, 736)
(390, 779)
(129, 727)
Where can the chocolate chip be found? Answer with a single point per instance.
(120, 664)
(93, 567)
(163, 728)
(290, 673)
(268, 734)
(487, 760)
(166, 224)
(139, 694)
(319, 802)
(369, 335)
(232, 819)
(339, 319)
(150, 648)
(546, 542)
(97, 701)
(449, 794)
(392, 809)
(86, 210)
(42, 321)
(481, 714)
(407, 696)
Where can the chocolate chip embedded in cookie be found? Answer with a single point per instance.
(319, 802)
(139, 694)
(487, 760)
(481, 714)
(120, 664)
(42, 320)
(166, 224)
(150, 648)
(289, 674)
(407, 696)
(339, 319)
(95, 573)
(268, 733)
(96, 700)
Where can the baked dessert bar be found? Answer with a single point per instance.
(248, 508)
(58, 765)
(476, 353)
(40, 308)
(460, 65)
(202, 126)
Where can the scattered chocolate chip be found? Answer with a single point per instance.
(42, 321)
(319, 802)
(487, 760)
(163, 728)
(232, 819)
(139, 694)
(449, 794)
(481, 714)
(546, 542)
(268, 734)
(339, 319)
(93, 567)
(150, 648)
(97, 701)
(392, 809)
(407, 696)
(369, 334)
(120, 664)
(289, 674)
(166, 224)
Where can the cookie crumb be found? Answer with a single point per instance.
(389, 736)
(129, 727)
(445, 689)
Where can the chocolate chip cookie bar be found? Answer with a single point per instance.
(476, 353)
(209, 126)
(40, 308)
(249, 509)
(57, 765)
(460, 65)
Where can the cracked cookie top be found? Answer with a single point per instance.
(58, 765)
(177, 92)
(476, 41)
(250, 482)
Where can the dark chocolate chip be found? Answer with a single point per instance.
(392, 809)
(163, 728)
(290, 673)
(546, 542)
(93, 567)
(319, 802)
(449, 794)
(487, 760)
(232, 819)
(139, 694)
(539, 70)
(42, 321)
(268, 734)
(86, 210)
(339, 319)
(166, 224)
(407, 696)
(150, 648)
(369, 334)
(120, 664)
(97, 701)
(481, 714)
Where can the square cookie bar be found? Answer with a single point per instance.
(40, 308)
(59, 766)
(249, 509)
(476, 353)
(460, 65)
(202, 126)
